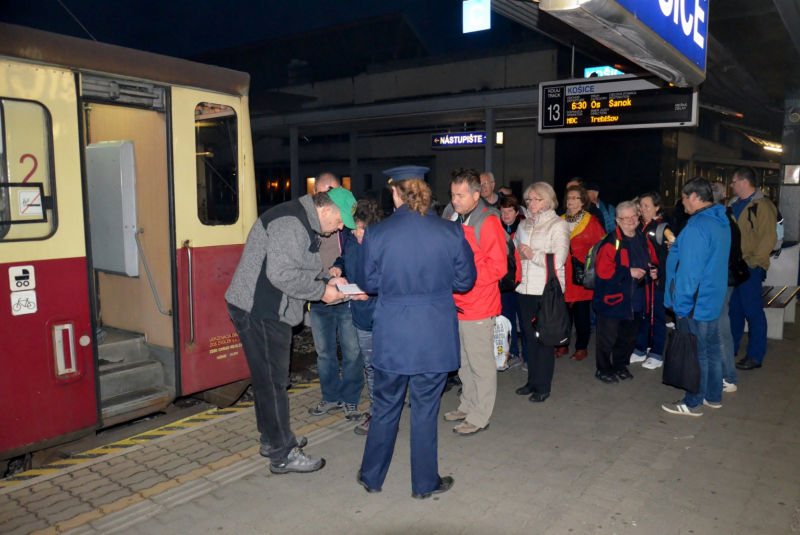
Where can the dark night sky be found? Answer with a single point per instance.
(184, 28)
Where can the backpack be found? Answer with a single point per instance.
(590, 271)
(553, 326)
(509, 281)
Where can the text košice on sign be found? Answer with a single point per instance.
(457, 140)
(614, 103)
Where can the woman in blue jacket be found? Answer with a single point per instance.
(413, 261)
(368, 212)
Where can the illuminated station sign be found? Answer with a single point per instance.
(615, 103)
(458, 140)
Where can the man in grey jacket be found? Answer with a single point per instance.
(279, 271)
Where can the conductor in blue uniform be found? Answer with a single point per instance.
(413, 261)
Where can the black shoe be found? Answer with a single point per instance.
(524, 390)
(606, 378)
(748, 364)
(624, 375)
(460, 390)
(361, 482)
(538, 398)
(445, 485)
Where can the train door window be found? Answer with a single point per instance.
(216, 142)
(27, 192)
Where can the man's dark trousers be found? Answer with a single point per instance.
(746, 304)
(425, 396)
(615, 340)
(266, 345)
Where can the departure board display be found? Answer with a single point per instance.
(614, 103)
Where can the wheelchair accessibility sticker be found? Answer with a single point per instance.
(21, 278)
(23, 303)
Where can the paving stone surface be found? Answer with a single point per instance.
(592, 459)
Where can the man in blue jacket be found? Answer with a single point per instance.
(413, 261)
(697, 281)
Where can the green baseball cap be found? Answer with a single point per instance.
(342, 198)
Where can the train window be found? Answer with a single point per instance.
(217, 164)
(27, 192)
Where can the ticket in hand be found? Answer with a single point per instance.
(350, 289)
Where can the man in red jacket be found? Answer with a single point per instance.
(477, 308)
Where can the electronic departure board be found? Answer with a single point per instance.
(614, 103)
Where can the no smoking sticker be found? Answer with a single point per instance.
(30, 202)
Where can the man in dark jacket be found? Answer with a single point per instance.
(279, 271)
(697, 279)
(413, 261)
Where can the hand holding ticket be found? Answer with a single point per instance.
(350, 289)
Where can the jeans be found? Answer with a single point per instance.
(511, 310)
(541, 358)
(746, 304)
(726, 342)
(709, 354)
(266, 346)
(656, 343)
(325, 322)
(365, 344)
(614, 342)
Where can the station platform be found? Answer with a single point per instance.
(592, 459)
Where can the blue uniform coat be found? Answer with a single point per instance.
(414, 263)
(348, 261)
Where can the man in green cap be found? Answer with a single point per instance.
(279, 271)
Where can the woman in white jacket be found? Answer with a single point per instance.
(542, 233)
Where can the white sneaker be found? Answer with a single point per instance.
(652, 364)
(670, 325)
(679, 407)
(728, 387)
(712, 404)
(637, 358)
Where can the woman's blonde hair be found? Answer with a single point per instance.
(545, 190)
(414, 193)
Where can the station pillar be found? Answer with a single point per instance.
(789, 203)
(298, 189)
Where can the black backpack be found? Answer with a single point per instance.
(509, 282)
(590, 271)
(552, 322)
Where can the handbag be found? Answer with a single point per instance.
(578, 270)
(681, 364)
(552, 322)
(738, 272)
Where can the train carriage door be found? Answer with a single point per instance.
(214, 209)
(47, 381)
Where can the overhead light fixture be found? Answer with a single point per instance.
(767, 145)
(498, 137)
(773, 148)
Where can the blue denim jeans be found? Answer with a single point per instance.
(709, 353)
(656, 342)
(365, 343)
(726, 340)
(746, 305)
(325, 322)
(512, 312)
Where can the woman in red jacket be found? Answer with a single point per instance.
(584, 231)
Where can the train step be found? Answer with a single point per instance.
(144, 401)
(122, 377)
(120, 345)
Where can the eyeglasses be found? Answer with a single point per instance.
(573, 198)
(533, 199)
(487, 183)
(631, 218)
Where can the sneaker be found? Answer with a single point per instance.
(466, 429)
(729, 387)
(652, 364)
(455, 416)
(351, 412)
(670, 325)
(297, 461)
(679, 407)
(325, 407)
(606, 378)
(363, 428)
(515, 362)
(265, 448)
(637, 358)
(712, 404)
(624, 375)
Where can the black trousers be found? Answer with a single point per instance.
(266, 345)
(580, 314)
(541, 358)
(616, 340)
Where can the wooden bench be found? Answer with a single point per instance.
(775, 300)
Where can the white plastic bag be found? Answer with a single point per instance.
(502, 342)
